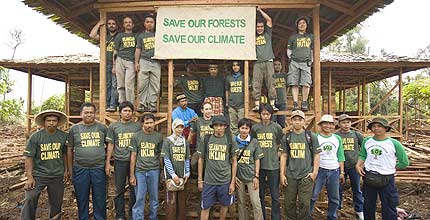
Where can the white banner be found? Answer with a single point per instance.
(208, 32)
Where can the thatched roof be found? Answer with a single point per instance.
(336, 17)
(346, 68)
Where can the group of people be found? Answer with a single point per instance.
(235, 157)
(130, 55)
(260, 156)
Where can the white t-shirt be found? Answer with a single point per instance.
(331, 151)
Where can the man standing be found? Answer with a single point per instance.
(86, 158)
(218, 159)
(123, 61)
(111, 83)
(331, 172)
(213, 86)
(281, 92)
(191, 86)
(119, 138)
(299, 167)
(187, 115)
(263, 67)
(351, 141)
(145, 164)
(46, 165)
(269, 135)
(234, 85)
(299, 51)
(379, 157)
(149, 70)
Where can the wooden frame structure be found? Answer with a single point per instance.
(330, 18)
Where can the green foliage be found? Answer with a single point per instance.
(418, 92)
(351, 42)
(6, 83)
(11, 110)
(55, 102)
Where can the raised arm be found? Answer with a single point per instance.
(94, 34)
(266, 17)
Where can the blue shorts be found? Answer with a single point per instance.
(216, 193)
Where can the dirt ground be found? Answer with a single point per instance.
(414, 197)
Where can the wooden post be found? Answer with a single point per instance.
(92, 88)
(343, 99)
(102, 69)
(358, 98)
(169, 96)
(363, 102)
(317, 64)
(246, 86)
(406, 122)
(329, 90)
(67, 98)
(29, 95)
(401, 103)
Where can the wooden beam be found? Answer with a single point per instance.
(102, 70)
(81, 10)
(169, 96)
(29, 100)
(317, 64)
(340, 6)
(401, 102)
(329, 90)
(344, 20)
(67, 98)
(246, 86)
(92, 87)
(383, 98)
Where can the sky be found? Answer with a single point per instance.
(389, 29)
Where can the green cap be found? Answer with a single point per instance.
(381, 121)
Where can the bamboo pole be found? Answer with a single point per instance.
(67, 98)
(363, 102)
(401, 103)
(92, 87)
(330, 79)
(246, 86)
(317, 64)
(29, 100)
(102, 69)
(169, 95)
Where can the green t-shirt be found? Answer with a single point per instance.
(202, 127)
(47, 151)
(281, 88)
(301, 46)
(88, 143)
(191, 87)
(125, 45)
(235, 90)
(177, 155)
(119, 134)
(300, 154)
(269, 136)
(148, 149)
(213, 86)
(217, 155)
(263, 45)
(146, 42)
(109, 48)
(246, 164)
(351, 142)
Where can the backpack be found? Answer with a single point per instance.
(308, 135)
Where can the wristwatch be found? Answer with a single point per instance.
(343, 173)
(256, 176)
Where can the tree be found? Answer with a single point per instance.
(55, 102)
(352, 42)
(17, 39)
(418, 91)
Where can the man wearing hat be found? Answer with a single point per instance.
(191, 86)
(218, 159)
(262, 72)
(351, 141)
(299, 167)
(183, 112)
(46, 164)
(86, 160)
(331, 172)
(378, 159)
(299, 51)
(213, 86)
